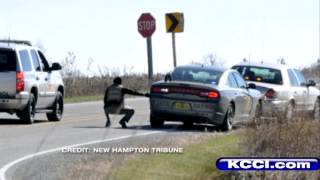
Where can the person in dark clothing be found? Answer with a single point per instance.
(114, 102)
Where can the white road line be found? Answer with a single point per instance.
(5, 168)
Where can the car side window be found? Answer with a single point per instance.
(300, 77)
(25, 60)
(241, 83)
(232, 82)
(44, 63)
(35, 60)
(239, 68)
(293, 80)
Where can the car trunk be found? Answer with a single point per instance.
(8, 73)
(186, 91)
(264, 87)
(184, 99)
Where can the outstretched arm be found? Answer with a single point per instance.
(131, 92)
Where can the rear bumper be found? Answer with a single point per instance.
(16, 103)
(200, 112)
(273, 108)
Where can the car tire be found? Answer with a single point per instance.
(187, 124)
(290, 112)
(156, 122)
(316, 111)
(28, 113)
(228, 120)
(57, 109)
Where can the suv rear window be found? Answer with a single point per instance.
(7, 60)
(260, 74)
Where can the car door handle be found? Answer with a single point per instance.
(46, 79)
(37, 78)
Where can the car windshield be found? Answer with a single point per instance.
(7, 60)
(260, 74)
(199, 75)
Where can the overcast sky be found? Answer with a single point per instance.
(106, 30)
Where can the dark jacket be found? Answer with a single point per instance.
(123, 91)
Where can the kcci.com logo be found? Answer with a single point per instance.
(272, 164)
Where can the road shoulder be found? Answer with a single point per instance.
(200, 150)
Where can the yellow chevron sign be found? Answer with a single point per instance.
(174, 22)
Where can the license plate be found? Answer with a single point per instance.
(182, 106)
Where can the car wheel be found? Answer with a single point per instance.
(156, 122)
(56, 114)
(228, 120)
(28, 113)
(316, 111)
(187, 124)
(290, 112)
(19, 114)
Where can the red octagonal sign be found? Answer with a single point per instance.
(146, 25)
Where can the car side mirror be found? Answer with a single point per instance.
(251, 86)
(167, 77)
(311, 83)
(55, 67)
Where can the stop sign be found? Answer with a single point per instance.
(146, 25)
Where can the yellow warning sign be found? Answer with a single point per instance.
(174, 22)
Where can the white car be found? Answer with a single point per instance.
(286, 91)
(28, 83)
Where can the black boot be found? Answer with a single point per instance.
(108, 123)
(123, 124)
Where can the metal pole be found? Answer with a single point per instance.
(150, 66)
(174, 49)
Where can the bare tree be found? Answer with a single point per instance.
(211, 60)
(40, 45)
(281, 61)
(70, 66)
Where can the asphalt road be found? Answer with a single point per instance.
(82, 123)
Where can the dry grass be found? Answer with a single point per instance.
(92, 86)
(196, 162)
(300, 138)
(92, 82)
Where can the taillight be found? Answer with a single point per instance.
(20, 82)
(159, 90)
(213, 95)
(271, 94)
(210, 94)
(155, 89)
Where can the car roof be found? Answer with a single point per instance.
(195, 66)
(14, 44)
(265, 65)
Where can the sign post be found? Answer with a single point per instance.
(146, 27)
(174, 24)
(174, 49)
(150, 64)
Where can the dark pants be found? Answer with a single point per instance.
(127, 111)
(128, 114)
